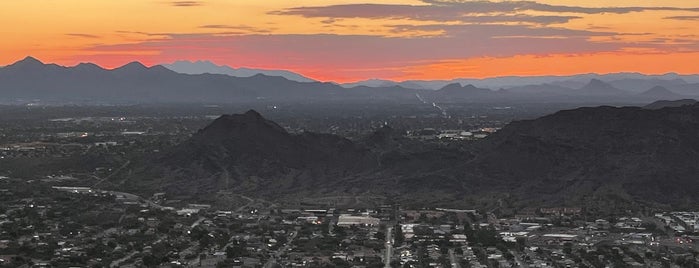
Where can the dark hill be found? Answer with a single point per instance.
(576, 156)
(603, 157)
(666, 103)
(248, 152)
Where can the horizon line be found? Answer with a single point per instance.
(28, 57)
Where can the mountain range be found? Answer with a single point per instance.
(30, 80)
(207, 67)
(633, 82)
(602, 157)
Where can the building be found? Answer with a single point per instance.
(349, 220)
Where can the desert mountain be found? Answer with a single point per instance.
(589, 154)
(207, 67)
(597, 87)
(603, 157)
(660, 93)
(456, 92)
(30, 79)
(248, 152)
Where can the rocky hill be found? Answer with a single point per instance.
(246, 152)
(598, 157)
(577, 156)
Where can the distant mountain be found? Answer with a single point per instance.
(207, 67)
(597, 87)
(30, 79)
(541, 89)
(639, 85)
(660, 93)
(632, 82)
(456, 92)
(669, 104)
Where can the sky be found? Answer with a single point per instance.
(351, 40)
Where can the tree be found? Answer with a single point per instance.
(236, 249)
(150, 261)
(398, 235)
(380, 235)
(521, 242)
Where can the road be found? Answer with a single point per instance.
(196, 223)
(250, 202)
(111, 174)
(118, 262)
(389, 248)
(518, 261)
(276, 255)
(453, 260)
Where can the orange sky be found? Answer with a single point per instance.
(345, 40)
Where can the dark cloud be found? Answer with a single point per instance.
(463, 11)
(427, 13)
(509, 6)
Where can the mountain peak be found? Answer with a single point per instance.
(28, 61)
(250, 125)
(452, 86)
(134, 65)
(599, 87)
(594, 82)
(88, 66)
(661, 93)
(253, 113)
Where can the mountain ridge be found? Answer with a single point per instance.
(30, 79)
(203, 67)
(604, 156)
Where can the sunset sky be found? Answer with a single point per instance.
(349, 40)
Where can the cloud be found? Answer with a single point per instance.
(83, 35)
(463, 11)
(425, 13)
(692, 18)
(186, 3)
(343, 52)
(241, 28)
(490, 31)
(510, 6)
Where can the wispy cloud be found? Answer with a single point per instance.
(83, 35)
(509, 6)
(425, 13)
(692, 18)
(243, 28)
(186, 3)
(463, 11)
